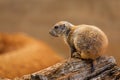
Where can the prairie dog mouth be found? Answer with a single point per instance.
(53, 33)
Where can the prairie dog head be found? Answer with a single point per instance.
(60, 28)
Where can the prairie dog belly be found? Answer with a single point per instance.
(89, 41)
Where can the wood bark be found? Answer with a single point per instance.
(77, 69)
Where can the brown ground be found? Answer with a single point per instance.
(35, 17)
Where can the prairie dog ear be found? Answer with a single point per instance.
(63, 26)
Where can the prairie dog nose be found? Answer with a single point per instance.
(53, 33)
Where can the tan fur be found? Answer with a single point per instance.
(89, 41)
(83, 36)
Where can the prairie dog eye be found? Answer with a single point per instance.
(56, 27)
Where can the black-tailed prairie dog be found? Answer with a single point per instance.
(89, 41)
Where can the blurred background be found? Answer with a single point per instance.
(36, 17)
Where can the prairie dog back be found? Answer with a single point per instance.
(90, 41)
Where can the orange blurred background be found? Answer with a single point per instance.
(36, 17)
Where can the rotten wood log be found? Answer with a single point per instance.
(77, 69)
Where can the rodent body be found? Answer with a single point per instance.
(89, 41)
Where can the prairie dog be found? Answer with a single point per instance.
(89, 41)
